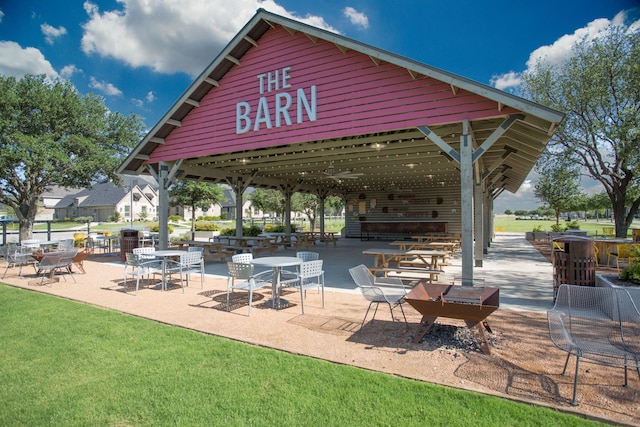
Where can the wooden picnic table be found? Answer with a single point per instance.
(406, 245)
(390, 261)
(383, 257)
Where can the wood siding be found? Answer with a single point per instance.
(354, 96)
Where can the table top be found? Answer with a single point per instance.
(277, 261)
(168, 252)
(384, 251)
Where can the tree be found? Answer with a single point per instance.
(268, 201)
(599, 89)
(508, 212)
(308, 204)
(195, 194)
(334, 204)
(557, 186)
(52, 135)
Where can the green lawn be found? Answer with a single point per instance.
(522, 225)
(66, 363)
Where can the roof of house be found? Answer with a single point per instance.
(389, 110)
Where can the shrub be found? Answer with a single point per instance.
(538, 229)
(632, 272)
(271, 228)
(573, 225)
(558, 228)
(206, 226)
(208, 218)
(175, 218)
(156, 227)
(253, 231)
(115, 216)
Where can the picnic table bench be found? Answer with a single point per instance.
(407, 273)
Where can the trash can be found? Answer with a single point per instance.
(128, 241)
(574, 262)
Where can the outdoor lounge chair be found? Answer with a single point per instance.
(52, 263)
(376, 290)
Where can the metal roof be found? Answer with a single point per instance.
(395, 159)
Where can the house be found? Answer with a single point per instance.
(133, 202)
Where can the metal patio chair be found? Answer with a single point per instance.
(243, 272)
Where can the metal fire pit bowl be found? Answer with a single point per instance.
(471, 304)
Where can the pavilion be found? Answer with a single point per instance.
(296, 108)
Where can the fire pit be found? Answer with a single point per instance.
(471, 304)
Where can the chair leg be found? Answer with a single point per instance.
(574, 402)
(367, 313)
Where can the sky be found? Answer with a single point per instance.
(141, 55)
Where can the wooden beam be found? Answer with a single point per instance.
(192, 102)
(156, 140)
(250, 40)
(212, 82)
(173, 122)
(232, 59)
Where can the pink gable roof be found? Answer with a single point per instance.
(353, 96)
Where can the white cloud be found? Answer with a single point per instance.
(356, 18)
(173, 35)
(562, 49)
(507, 80)
(68, 71)
(52, 33)
(104, 87)
(17, 61)
(1, 15)
(150, 97)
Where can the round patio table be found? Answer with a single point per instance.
(276, 263)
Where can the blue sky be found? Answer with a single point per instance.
(142, 55)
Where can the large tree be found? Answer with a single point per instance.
(195, 194)
(558, 186)
(52, 135)
(598, 87)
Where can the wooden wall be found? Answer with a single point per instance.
(441, 205)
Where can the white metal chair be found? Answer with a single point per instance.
(600, 324)
(140, 267)
(31, 243)
(248, 282)
(17, 256)
(311, 276)
(65, 245)
(189, 262)
(146, 252)
(244, 258)
(376, 290)
(308, 256)
(52, 263)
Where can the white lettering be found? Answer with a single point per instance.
(272, 80)
(261, 78)
(242, 116)
(286, 77)
(282, 110)
(278, 107)
(262, 115)
(309, 108)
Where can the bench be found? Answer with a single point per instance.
(600, 324)
(407, 273)
(212, 250)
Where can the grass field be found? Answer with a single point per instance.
(69, 364)
(593, 227)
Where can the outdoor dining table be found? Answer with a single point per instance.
(385, 256)
(410, 245)
(164, 255)
(276, 263)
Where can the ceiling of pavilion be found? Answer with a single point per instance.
(394, 160)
